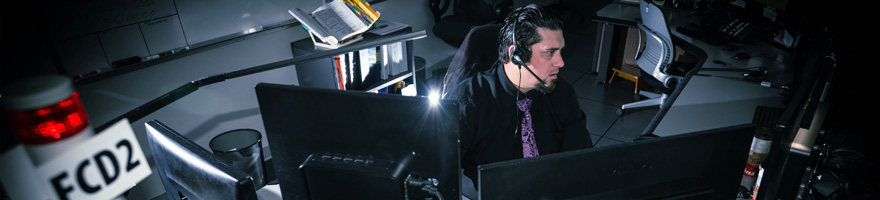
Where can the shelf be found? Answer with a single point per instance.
(321, 74)
(389, 81)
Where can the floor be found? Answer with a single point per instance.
(600, 100)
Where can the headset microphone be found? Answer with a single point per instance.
(531, 72)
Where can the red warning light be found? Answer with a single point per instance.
(50, 124)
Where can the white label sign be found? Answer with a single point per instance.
(103, 167)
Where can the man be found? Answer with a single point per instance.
(520, 108)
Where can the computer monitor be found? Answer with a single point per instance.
(700, 165)
(189, 171)
(335, 144)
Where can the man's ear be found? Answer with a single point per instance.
(510, 51)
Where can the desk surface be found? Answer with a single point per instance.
(762, 54)
(715, 97)
(724, 98)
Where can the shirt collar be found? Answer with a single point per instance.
(508, 87)
(509, 94)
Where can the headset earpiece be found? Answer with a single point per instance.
(515, 53)
(516, 58)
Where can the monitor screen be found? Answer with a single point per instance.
(189, 171)
(339, 144)
(700, 165)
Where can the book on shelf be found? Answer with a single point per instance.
(365, 68)
(337, 63)
(393, 58)
(337, 23)
(349, 73)
(358, 78)
(370, 67)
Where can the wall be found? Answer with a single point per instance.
(98, 33)
(91, 35)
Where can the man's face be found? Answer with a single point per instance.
(546, 59)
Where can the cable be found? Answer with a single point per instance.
(428, 185)
(724, 64)
(433, 191)
(515, 107)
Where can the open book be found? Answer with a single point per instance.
(337, 23)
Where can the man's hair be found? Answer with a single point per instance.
(526, 21)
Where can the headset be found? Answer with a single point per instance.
(517, 56)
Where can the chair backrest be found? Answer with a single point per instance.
(478, 52)
(466, 14)
(658, 53)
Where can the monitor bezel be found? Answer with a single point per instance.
(571, 174)
(282, 105)
(187, 169)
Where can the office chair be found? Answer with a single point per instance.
(466, 14)
(656, 60)
(476, 54)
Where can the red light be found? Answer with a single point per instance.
(44, 111)
(50, 129)
(74, 119)
(65, 103)
(50, 124)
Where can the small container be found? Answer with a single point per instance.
(758, 154)
(761, 170)
(243, 150)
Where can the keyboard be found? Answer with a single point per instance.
(767, 116)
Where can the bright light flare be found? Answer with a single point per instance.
(434, 97)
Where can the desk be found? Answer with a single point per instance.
(714, 99)
(714, 94)
(620, 15)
